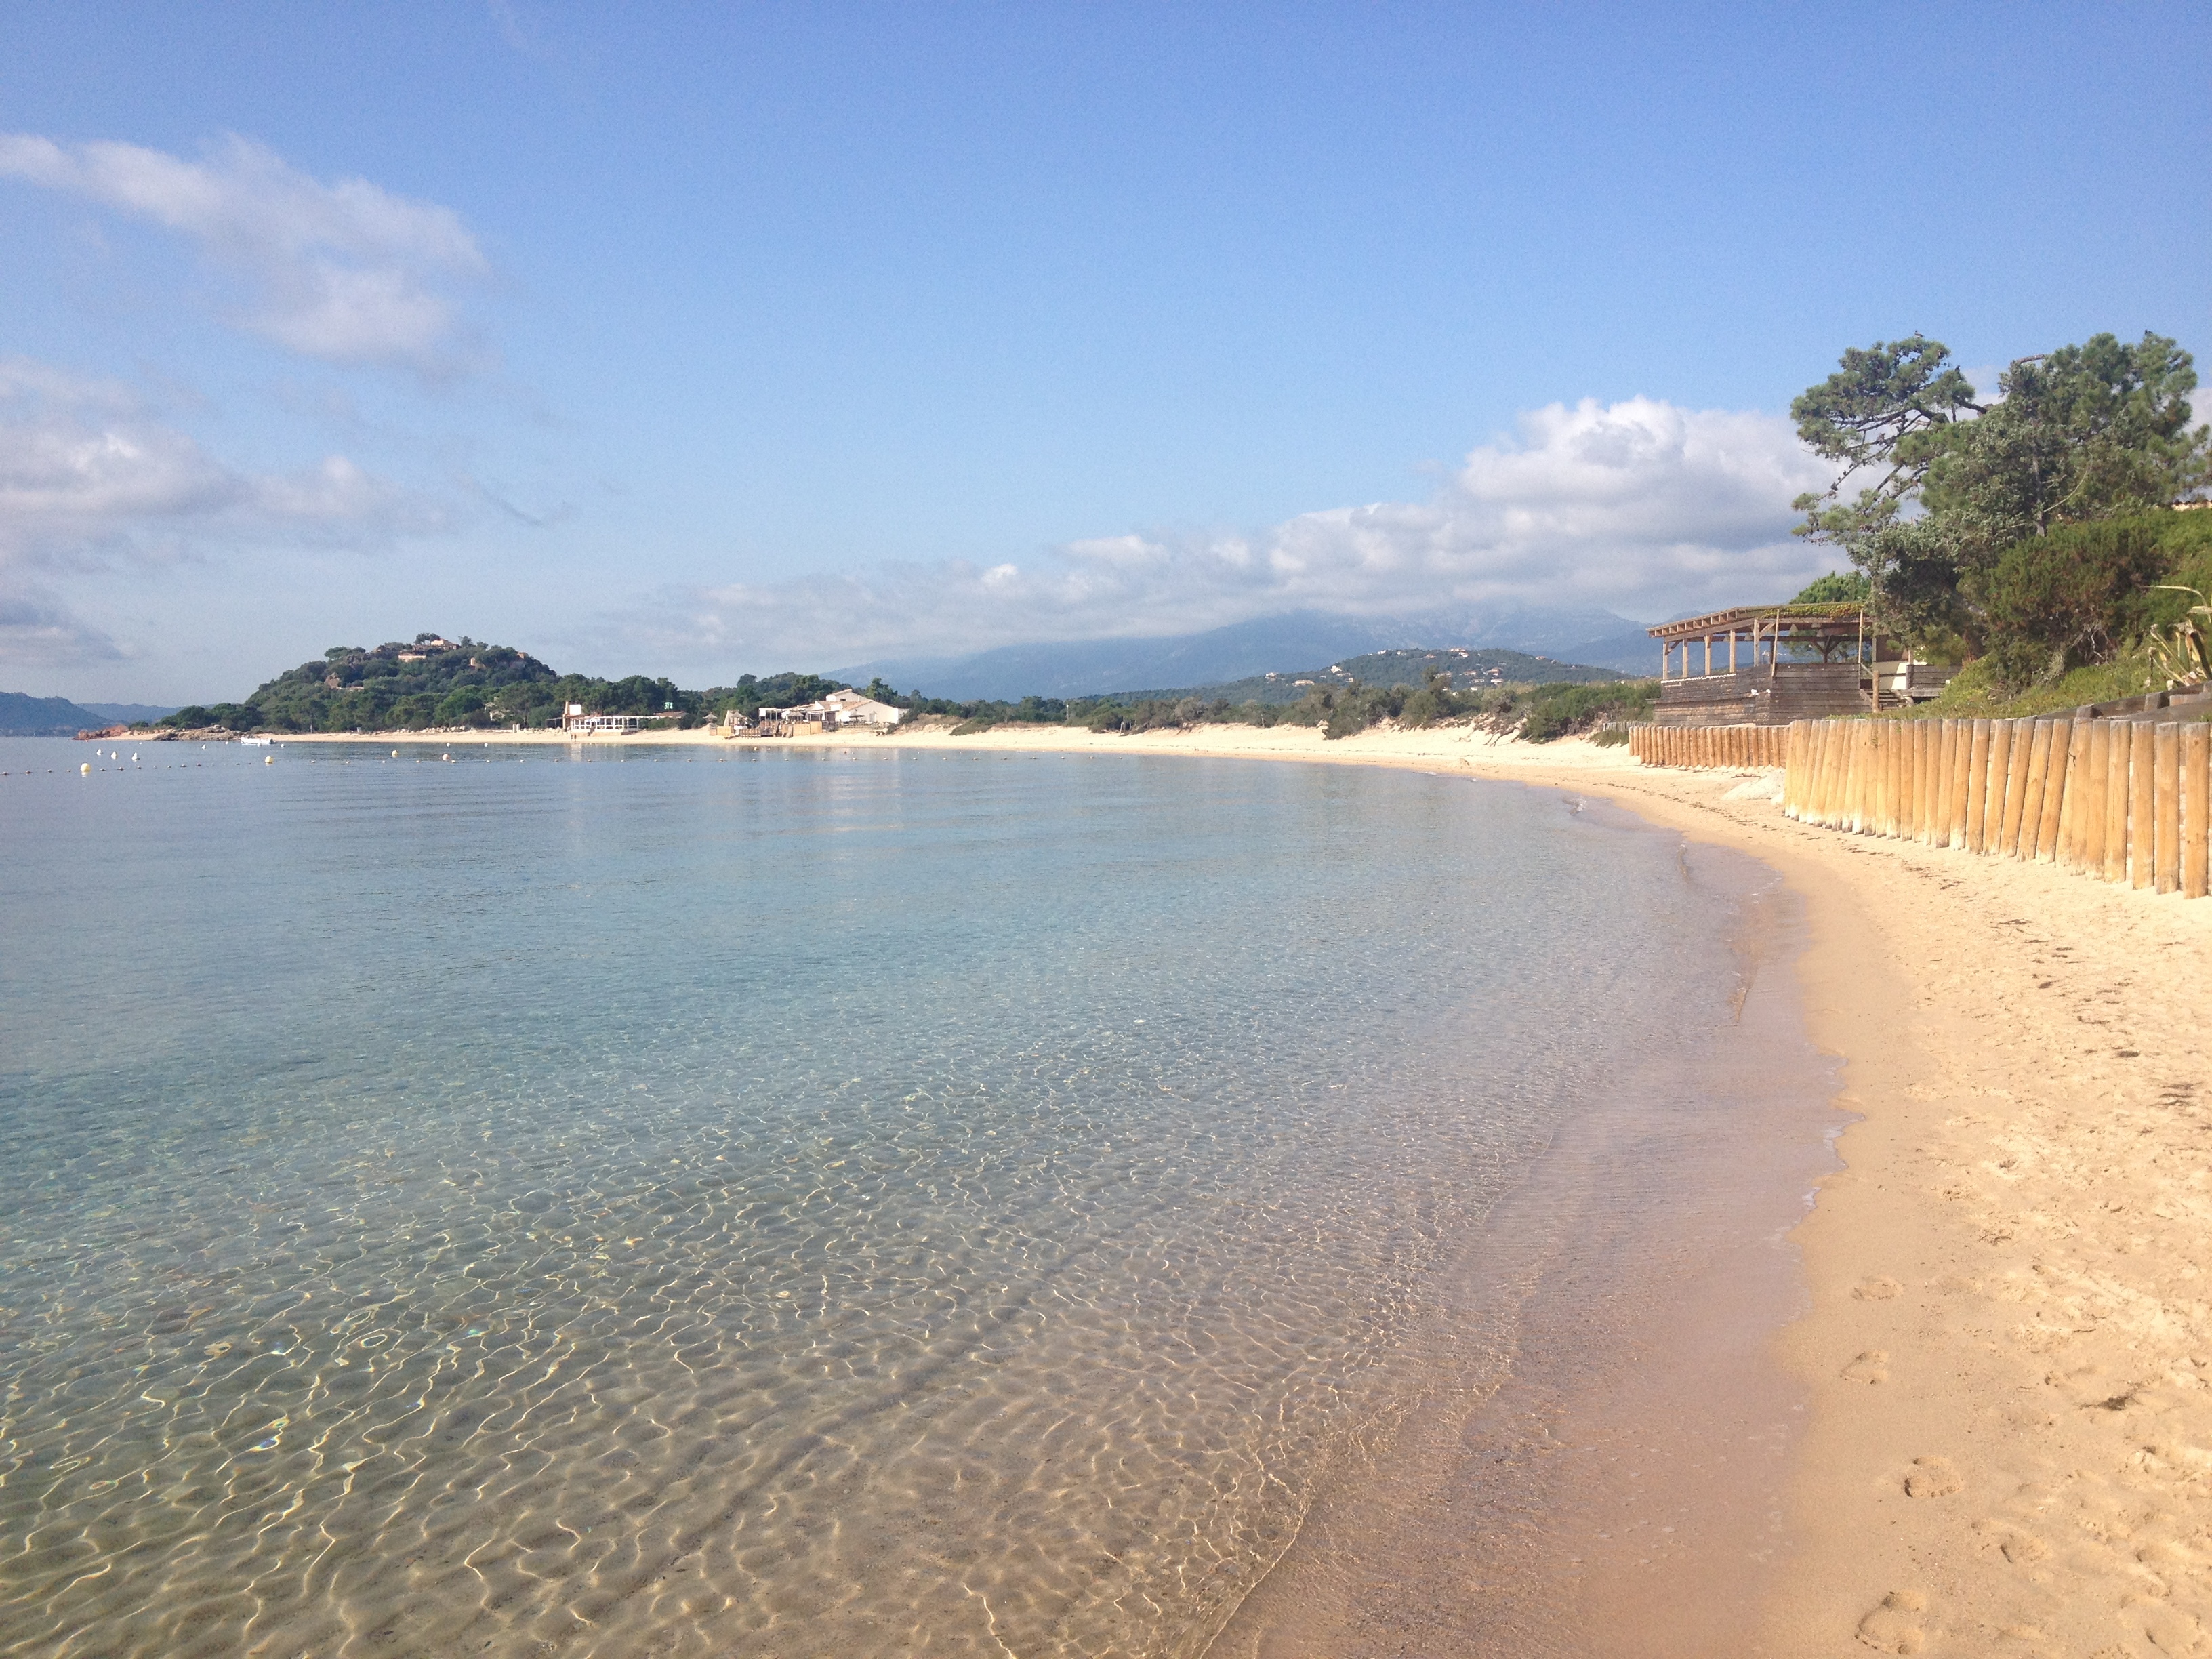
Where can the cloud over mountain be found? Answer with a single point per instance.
(1640, 506)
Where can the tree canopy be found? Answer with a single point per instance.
(1934, 487)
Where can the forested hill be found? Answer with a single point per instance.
(435, 681)
(24, 716)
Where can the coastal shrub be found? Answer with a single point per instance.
(2071, 597)
(1609, 737)
(1561, 710)
(1978, 692)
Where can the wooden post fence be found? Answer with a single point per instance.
(2125, 799)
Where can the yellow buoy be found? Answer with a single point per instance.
(269, 759)
(85, 770)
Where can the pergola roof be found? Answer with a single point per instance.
(1798, 624)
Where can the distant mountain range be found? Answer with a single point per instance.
(1242, 651)
(25, 716)
(22, 716)
(129, 713)
(1467, 668)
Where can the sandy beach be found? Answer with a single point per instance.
(2007, 1350)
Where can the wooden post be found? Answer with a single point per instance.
(1831, 773)
(1977, 785)
(2007, 836)
(2196, 774)
(1944, 770)
(2117, 740)
(2094, 784)
(1731, 651)
(1939, 794)
(1916, 761)
(2000, 783)
(2165, 805)
(2031, 789)
(2054, 790)
(2143, 801)
(1884, 738)
(1823, 752)
(1855, 819)
(1962, 757)
(2067, 852)
(1900, 779)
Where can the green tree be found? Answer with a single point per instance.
(1836, 588)
(2081, 433)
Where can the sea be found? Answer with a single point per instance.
(613, 1199)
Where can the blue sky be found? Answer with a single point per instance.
(700, 340)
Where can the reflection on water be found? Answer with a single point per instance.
(815, 1203)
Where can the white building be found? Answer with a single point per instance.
(839, 709)
(577, 723)
(851, 708)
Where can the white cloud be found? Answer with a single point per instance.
(86, 475)
(38, 633)
(347, 272)
(1639, 506)
(91, 481)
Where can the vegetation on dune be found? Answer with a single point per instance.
(2030, 535)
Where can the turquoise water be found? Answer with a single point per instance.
(803, 1202)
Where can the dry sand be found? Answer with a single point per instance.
(2008, 1353)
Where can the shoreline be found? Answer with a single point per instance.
(2007, 1350)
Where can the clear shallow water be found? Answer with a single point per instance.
(792, 1203)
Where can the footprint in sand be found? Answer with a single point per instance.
(1877, 1290)
(1894, 1626)
(1872, 1366)
(2020, 1548)
(1933, 1477)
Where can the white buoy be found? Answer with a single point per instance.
(395, 753)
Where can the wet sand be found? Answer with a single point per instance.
(2006, 1355)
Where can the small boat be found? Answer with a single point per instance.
(256, 742)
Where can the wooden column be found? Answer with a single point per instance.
(2196, 776)
(2165, 805)
(2119, 738)
(2054, 790)
(2067, 851)
(1962, 756)
(1708, 654)
(2031, 789)
(1938, 833)
(1914, 762)
(1861, 755)
(2094, 785)
(2143, 801)
(1977, 784)
(2020, 743)
(1993, 808)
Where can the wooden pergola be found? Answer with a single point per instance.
(1768, 630)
